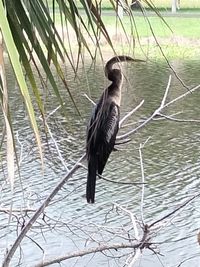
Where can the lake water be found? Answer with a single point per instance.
(171, 161)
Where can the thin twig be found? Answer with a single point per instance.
(91, 101)
(159, 109)
(182, 96)
(189, 258)
(156, 112)
(132, 219)
(112, 181)
(130, 113)
(137, 254)
(80, 253)
(53, 111)
(171, 118)
(56, 146)
(35, 216)
(166, 93)
(7, 210)
(143, 180)
(174, 211)
(118, 182)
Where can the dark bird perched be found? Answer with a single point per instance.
(104, 125)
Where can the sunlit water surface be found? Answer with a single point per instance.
(171, 161)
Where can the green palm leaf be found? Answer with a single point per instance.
(14, 58)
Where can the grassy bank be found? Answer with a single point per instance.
(185, 5)
(182, 41)
(181, 27)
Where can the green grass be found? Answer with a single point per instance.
(186, 5)
(183, 41)
(181, 27)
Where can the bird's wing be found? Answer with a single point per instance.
(93, 130)
(112, 122)
(102, 131)
(109, 128)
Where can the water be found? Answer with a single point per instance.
(171, 169)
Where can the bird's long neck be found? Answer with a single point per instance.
(115, 76)
(114, 91)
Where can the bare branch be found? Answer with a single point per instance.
(35, 216)
(174, 211)
(56, 146)
(143, 179)
(91, 101)
(171, 118)
(112, 181)
(7, 210)
(130, 113)
(81, 253)
(166, 93)
(118, 182)
(132, 219)
(158, 110)
(192, 257)
(183, 95)
(137, 254)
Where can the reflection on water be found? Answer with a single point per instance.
(171, 160)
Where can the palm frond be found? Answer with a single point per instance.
(14, 58)
(33, 39)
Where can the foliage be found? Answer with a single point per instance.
(160, 4)
(34, 41)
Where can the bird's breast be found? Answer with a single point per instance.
(116, 98)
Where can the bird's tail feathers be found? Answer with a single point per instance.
(91, 180)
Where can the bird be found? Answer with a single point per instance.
(104, 125)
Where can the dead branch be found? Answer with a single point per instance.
(84, 252)
(157, 112)
(132, 217)
(171, 118)
(26, 210)
(35, 216)
(190, 258)
(90, 100)
(143, 180)
(40, 210)
(144, 241)
(130, 113)
(118, 182)
(175, 211)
